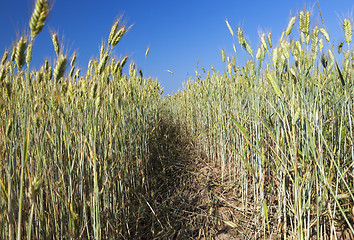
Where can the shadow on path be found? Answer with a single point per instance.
(181, 201)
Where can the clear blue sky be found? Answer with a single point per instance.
(178, 32)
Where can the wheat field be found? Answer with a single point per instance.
(263, 150)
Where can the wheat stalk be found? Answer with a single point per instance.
(288, 125)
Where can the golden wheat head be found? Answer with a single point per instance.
(39, 16)
(347, 30)
(20, 52)
(59, 69)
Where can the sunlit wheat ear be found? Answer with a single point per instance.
(59, 69)
(77, 74)
(147, 52)
(13, 53)
(307, 22)
(276, 89)
(116, 66)
(46, 65)
(325, 34)
(20, 52)
(40, 75)
(71, 73)
(234, 47)
(73, 59)
(270, 40)
(118, 33)
(102, 63)
(4, 57)
(285, 46)
(2, 74)
(241, 39)
(260, 53)
(233, 62)
(113, 31)
(102, 51)
(330, 54)
(290, 26)
(124, 61)
(90, 63)
(93, 93)
(302, 37)
(320, 44)
(314, 40)
(264, 43)
(301, 21)
(132, 69)
(118, 36)
(304, 22)
(248, 48)
(39, 16)
(347, 30)
(112, 63)
(223, 56)
(275, 56)
(29, 53)
(72, 65)
(229, 27)
(55, 43)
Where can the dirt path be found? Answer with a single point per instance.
(190, 201)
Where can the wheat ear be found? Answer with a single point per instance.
(20, 52)
(39, 16)
(347, 30)
(59, 69)
(290, 26)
